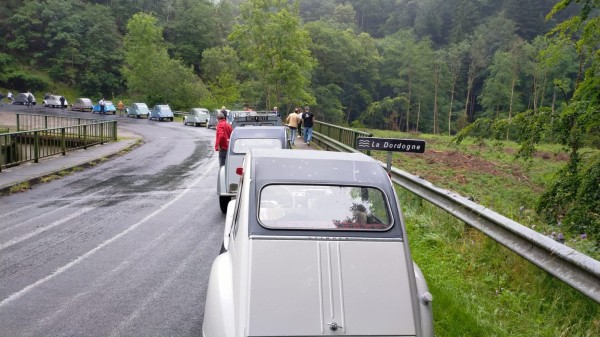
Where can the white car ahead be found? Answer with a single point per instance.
(315, 245)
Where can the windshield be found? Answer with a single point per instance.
(318, 207)
(243, 145)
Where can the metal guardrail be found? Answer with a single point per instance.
(572, 267)
(22, 146)
(26, 122)
(340, 134)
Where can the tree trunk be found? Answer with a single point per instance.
(408, 104)
(450, 109)
(418, 115)
(510, 106)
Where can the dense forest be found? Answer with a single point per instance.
(426, 66)
(504, 69)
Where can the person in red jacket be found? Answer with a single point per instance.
(223, 133)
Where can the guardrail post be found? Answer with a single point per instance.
(36, 146)
(63, 141)
(115, 130)
(101, 125)
(18, 122)
(85, 137)
(45, 122)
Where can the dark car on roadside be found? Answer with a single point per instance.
(22, 98)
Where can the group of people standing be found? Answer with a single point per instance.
(298, 120)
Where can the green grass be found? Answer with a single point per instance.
(481, 288)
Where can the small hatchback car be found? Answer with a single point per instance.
(161, 112)
(109, 108)
(241, 141)
(54, 101)
(138, 110)
(83, 104)
(196, 117)
(315, 245)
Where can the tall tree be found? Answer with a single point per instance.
(151, 74)
(221, 71)
(191, 30)
(574, 196)
(274, 48)
(456, 55)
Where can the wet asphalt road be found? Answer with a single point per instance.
(120, 249)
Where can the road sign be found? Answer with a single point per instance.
(391, 144)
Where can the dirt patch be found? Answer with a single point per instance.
(561, 156)
(461, 164)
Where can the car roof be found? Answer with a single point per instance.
(320, 166)
(258, 132)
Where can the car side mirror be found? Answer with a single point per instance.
(228, 223)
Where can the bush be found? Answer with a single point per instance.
(574, 199)
(22, 82)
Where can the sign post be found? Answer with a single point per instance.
(390, 145)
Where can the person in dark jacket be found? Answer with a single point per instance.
(62, 102)
(307, 121)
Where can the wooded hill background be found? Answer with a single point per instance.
(427, 65)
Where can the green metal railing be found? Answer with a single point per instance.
(26, 122)
(340, 134)
(31, 145)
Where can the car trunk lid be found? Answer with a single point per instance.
(319, 287)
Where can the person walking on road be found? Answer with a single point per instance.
(10, 97)
(102, 105)
(299, 122)
(222, 138)
(308, 119)
(62, 102)
(224, 111)
(292, 122)
(29, 100)
(121, 107)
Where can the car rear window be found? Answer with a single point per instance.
(243, 145)
(323, 207)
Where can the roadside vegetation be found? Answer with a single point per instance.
(481, 288)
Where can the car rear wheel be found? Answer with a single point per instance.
(223, 201)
